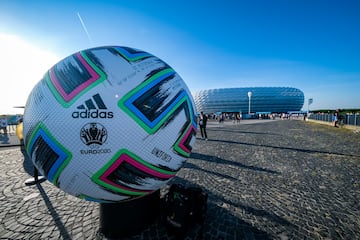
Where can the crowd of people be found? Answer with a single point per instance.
(3, 125)
(8, 122)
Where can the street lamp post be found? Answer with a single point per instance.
(249, 95)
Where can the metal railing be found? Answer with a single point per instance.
(349, 119)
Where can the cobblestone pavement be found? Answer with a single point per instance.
(266, 180)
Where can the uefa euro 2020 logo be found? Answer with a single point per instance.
(93, 134)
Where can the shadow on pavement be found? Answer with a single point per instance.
(284, 148)
(258, 212)
(235, 130)
(214, 159)
(220, 223)
(57, 220)
(193, 166)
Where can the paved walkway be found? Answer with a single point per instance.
(266, 180)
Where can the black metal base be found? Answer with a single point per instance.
(33, 181)
(128, 218)
(36, 179)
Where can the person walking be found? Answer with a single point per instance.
(3, 124)
(202, 123)
(238, 118)
(335, 119)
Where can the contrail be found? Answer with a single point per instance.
(84, 27)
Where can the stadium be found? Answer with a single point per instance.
(262, 99)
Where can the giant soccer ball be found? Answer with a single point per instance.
(110, 123)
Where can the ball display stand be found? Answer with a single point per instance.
(36, 179)
(127, 218)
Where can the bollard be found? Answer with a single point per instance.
(129, 217)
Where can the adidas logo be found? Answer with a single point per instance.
(93, 108)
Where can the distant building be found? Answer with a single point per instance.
(263, 99)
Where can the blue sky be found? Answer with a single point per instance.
(312, 45)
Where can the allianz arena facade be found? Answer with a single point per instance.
(263, 99)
